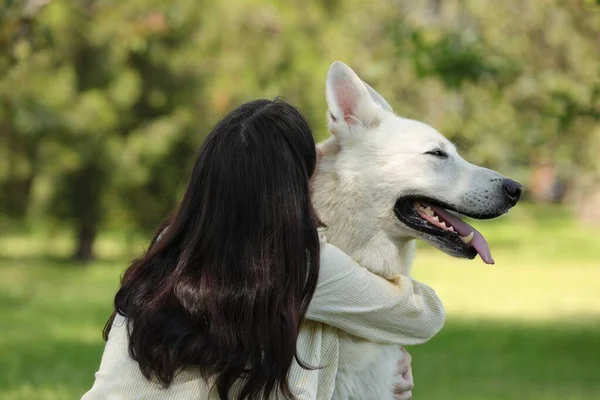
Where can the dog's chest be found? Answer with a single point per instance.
(365, 370)
(383, 257)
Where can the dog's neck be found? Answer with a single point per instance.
(352, 223)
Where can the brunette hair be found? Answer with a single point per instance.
(228, 284)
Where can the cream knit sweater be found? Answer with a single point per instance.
(348, 297)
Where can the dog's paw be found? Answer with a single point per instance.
(403, 383)
(403, 380)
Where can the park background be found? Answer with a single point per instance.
(104, 104)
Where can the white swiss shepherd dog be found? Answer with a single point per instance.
(382, 182)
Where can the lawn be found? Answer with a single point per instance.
(525, 328)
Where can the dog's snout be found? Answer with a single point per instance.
(512, 190)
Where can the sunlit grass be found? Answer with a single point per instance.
(525, 328)
(513, 289)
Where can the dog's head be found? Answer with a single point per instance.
(414, 179)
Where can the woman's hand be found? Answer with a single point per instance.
(404, 379)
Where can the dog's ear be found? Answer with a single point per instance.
(348, 100)
(377, 98)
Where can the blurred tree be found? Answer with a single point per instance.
(18, 142)
(90, 89)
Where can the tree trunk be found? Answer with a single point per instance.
(85, 244)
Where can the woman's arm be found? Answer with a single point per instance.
(363, 304)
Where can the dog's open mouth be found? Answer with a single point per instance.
(433, 218)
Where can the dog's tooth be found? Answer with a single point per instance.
(435, 217)
(451, 229)
(429, 211)
(443, 224)
(468, 239)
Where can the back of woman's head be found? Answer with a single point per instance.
(226, 287)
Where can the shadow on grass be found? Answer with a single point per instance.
(495, 360)
(47, 369)
(467, 360)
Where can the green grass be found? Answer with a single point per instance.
(525, 328)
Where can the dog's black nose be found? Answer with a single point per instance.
(512, 190)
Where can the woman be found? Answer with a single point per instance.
(240, 298)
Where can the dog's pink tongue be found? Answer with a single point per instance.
(465, 229)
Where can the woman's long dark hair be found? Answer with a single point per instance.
(227, 286)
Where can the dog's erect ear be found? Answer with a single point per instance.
(377, 98)
(348, 99)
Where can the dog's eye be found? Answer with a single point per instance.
(437, 153)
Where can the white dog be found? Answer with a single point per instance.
(384, 181)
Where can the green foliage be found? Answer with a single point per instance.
(455, 61)
(103, 104)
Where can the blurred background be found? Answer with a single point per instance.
(104, 104)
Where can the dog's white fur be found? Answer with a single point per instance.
(373, 158)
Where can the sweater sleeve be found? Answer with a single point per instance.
(351, 298)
